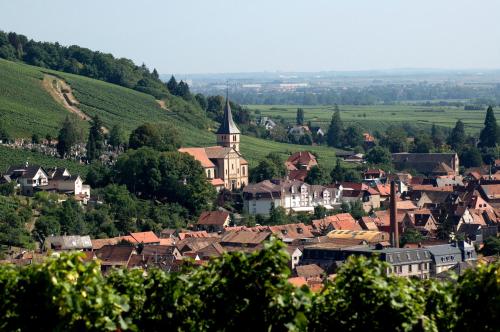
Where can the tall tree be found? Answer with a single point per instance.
(335, 134)
(317, 175)
(116, 136)
(353, 136)
(155, 74)
(183, 90)
(172, 85)
(202, 101)
(68, 136)
(300, 116)
(489, 135)
(95, 143)
(457, 137)
(162, 137)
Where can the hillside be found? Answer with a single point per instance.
(26, 107)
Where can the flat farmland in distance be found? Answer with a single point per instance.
(378, 117)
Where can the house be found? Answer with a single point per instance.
(295, 253)
(301, 160)
(290, 232)
(143, 237)
(309, 271)
(447, 256)
(361, 192)
(111, 256)
(213, 221)
(490, 192)
(357, 158)
(29, 177)
(383, 220)
(341, 221)
(403, 262)
(244, 238)
(223, 164)
(161, 252)
(367, 223)
(99, 243)
(369, 237)
(194, 244)
(373, 174)
(68, 243)
(368, 141)
(299, 130)
(62, 181)
(422, 221)
(293, 196)
(213, 250)
(431, 164)
(266, 122)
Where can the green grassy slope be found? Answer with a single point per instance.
(27, 108)
(377, 117)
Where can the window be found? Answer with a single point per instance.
(243, 170)
(234, 137)
(209, 173)
(410, 268)
(232, 166)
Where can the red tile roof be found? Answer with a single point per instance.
(145, 237)
(341, 221)
(200, 155)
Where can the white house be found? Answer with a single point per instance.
(29, 178)
(295, 196)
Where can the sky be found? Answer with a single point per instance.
(223, 36)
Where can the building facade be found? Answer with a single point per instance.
(224, 165)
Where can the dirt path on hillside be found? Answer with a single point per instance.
(63, 94)
(162, 104)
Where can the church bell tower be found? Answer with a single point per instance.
(228, 134)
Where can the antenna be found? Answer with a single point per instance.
(227, 90)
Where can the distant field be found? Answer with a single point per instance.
(377, 117)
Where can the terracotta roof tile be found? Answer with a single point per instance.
(200, 155)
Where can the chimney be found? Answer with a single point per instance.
(393, 214)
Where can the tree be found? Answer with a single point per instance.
(300, 116)
(172, 85)
(353, 136)
(215, 107)
(116, 139)
(95, 143)
(4, 135)
(271, 167)
(491, 246)
(457, 137)
(489, 135)
(320, 212)
(437, 136)
(202, 101)
(306, 139)
(46, 225)
(35, 139)
(379, 155)
(162, 137)
(395, 139)
(155, 74)
(183, 90)
(422, 144)
(410, 236)
(471, 157)
(68, 136)
(317, 175)
(277, 215)
(335, 134)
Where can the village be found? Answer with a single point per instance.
(423, 226)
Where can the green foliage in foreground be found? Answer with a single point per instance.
(240, 292)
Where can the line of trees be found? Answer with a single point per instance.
(241, 292)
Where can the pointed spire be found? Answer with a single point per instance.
(228, 126)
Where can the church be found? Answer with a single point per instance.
(223, 164)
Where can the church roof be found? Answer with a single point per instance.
(200, 155)
(216, 152)
(228, 126)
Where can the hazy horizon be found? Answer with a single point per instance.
(223, 36)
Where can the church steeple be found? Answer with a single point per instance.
(228, 134)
